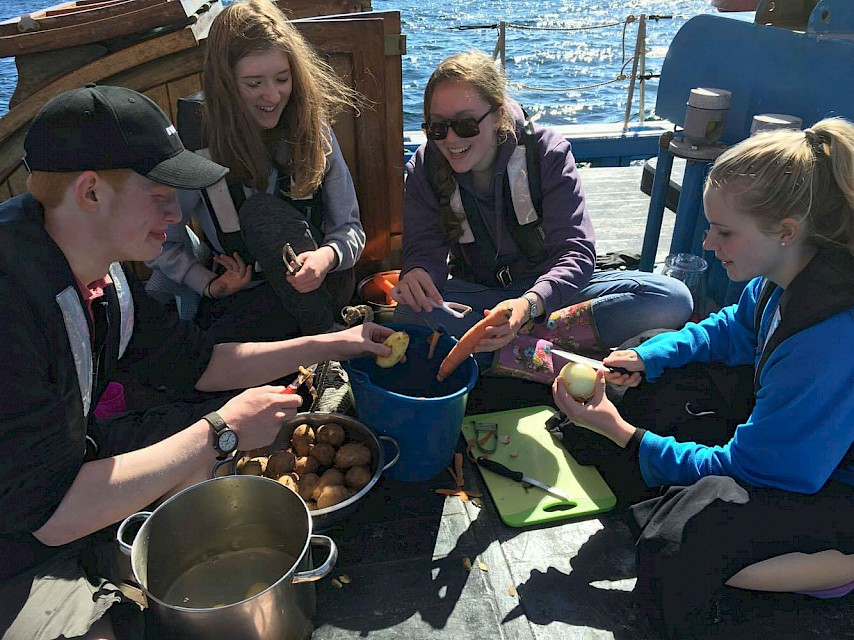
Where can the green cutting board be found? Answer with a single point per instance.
(535, 452)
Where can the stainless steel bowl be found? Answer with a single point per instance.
(355, 431)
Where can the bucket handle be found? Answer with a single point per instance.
(396, 446)
(126, 548)
(316, 574)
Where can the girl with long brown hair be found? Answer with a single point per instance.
(269, 103)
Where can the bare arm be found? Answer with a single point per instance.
(239, 365)
(107, 490)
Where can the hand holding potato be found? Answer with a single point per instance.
(398, 342)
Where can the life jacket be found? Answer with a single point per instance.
(57, 304)
(225, 198)
(522, 186)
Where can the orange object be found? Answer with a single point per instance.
(382, 282)
(458, 469)
(468, 343)
(433, 341)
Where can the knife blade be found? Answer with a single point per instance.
(518, 476)
(596, 364)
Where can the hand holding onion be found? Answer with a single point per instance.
(580, 380)
(585, 403)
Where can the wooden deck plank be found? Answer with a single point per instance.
(619, 209)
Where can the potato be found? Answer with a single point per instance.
(252, 466)
(398, 341)
(302, 439)
(324, 453)
(352, 454)
(580, 380)
(279, 464)
(330, 477)
(306, 464)
(357, 477)
(306, 485)
(332, 495)
(331, 434)
(290, 481)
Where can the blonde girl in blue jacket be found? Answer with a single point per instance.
(780, 208)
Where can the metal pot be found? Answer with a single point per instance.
(356, 432)
(370, 293)
(195, 549)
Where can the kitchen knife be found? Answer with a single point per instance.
(596, 364)
(518, 476)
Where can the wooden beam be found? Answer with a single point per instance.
(154, 49)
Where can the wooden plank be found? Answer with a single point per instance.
(296, 9)
(73, 14)
(163, 70)
(362, 39)
(94, 29)
(160, 95)
(394, 128)
(154, 49)
(181, 88)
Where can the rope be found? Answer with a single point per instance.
(620, 76)
(511, 25)
(523, 27)
(517, 85)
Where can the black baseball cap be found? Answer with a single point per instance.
(100, 127)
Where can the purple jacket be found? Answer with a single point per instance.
(571, 253)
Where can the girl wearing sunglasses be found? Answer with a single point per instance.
(269, 102)
(479, 231)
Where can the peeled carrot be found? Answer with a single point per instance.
(468, 343)
(385, 285)
(433, 340)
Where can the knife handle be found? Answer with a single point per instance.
(500, 469)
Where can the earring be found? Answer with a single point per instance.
(782, 244)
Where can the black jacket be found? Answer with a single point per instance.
(43, 416)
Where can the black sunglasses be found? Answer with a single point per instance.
(464, 127)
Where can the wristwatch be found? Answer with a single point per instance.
(535, 307)
(225, 440)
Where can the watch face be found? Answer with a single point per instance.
(227, 441)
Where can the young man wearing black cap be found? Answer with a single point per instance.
(104, 164)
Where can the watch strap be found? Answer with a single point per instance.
(216, 421)
(218, 425)
(535, 307)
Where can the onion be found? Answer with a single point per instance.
(580, 379)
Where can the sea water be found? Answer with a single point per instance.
(556, 50)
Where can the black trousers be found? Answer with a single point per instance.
(691, 540)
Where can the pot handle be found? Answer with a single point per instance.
(229, 460)
(120, 534)
(316, 574)
(396, 457)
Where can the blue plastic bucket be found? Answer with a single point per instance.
(406, 402)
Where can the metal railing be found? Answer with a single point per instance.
(637, 77)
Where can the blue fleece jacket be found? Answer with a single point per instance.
(803, 422)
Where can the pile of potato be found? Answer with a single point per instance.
(319, 465)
